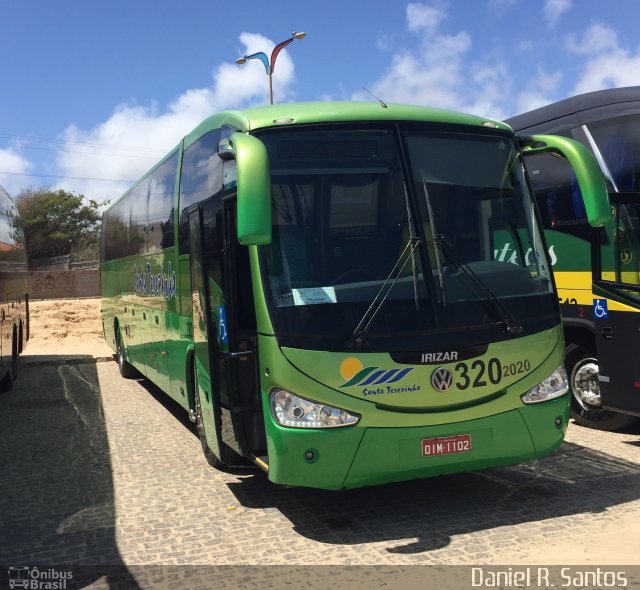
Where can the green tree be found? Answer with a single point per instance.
(57, 222)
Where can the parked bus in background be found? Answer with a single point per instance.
(319, 286)
(597, 271)
(14, 296)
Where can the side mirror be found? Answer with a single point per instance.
(254, 189)
(588, 174)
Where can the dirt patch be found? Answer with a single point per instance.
(66, 326)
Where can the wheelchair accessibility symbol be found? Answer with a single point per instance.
(600, 309)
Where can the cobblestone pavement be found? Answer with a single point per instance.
(101, 470)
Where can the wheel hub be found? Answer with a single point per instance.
(586, 386)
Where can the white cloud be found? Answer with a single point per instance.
(12, 167)
(611, 70)
(143, 134)
(540, 91)
(436, 72)
(425, 17)
(430, 73)
(554, 9)
(597, 38)
(607, 65)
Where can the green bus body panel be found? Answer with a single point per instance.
(155, 335)
(590, 179)
(503, 439)
(414, 390)
(382, 446)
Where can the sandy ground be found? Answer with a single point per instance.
(66, 327)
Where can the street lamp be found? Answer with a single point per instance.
(269, 65)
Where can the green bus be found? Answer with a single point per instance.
(14, 295)
(318, 285)
(597, 271)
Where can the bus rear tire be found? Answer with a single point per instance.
(586, 407)
(127, 370)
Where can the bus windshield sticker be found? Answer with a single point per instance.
(314, 296)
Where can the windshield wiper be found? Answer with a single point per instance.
(436, 241)
(490, 301)
(358, 337)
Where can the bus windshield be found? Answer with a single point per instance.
(413, 234)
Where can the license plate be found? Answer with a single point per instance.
(446, 445)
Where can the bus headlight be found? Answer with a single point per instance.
(555, 385)
(295, 412)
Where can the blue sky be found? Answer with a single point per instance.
(93, 93)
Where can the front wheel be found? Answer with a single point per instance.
(586, 404)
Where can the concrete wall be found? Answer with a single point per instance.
(63, 284)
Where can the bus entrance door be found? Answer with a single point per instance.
(206, 390)
(619, 378)
(616, 305)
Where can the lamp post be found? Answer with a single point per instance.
(269, 64)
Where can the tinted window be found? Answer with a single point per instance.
(162, 184)
(201, 179)
(110, 234)
(618, 140)
(123, 243)
(134, 215)
(558, 195)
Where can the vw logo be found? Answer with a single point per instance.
(441, 379)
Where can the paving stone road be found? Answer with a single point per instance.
(100, 470)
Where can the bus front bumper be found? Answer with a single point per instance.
(352, 457)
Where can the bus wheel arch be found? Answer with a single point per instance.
(581, 364)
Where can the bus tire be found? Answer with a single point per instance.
(127, 370)
(229, 456)
(586, 407)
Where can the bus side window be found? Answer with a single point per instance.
(201, 178)
(558, 195)
(618, 140)
(160, 217)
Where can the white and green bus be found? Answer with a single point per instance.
(319, 286)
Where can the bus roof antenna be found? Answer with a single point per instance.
(382, 103)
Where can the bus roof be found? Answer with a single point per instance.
(330, 112)
(574, 105)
